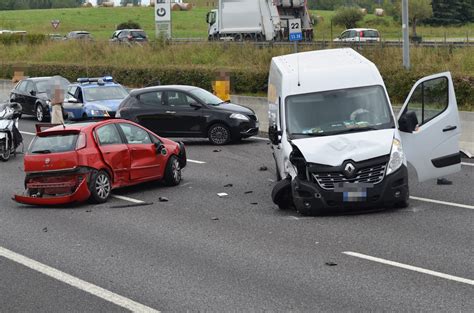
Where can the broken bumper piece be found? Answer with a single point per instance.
(82, 193)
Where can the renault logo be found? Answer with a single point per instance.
(349, 170)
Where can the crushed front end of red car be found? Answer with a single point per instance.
(56, 187)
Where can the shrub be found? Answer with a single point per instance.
(348, 17)
(128, 25)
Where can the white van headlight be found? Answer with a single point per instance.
(396, 157)
(239, 116)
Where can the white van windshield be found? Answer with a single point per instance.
(338, 111)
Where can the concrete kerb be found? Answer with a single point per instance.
(260, 106)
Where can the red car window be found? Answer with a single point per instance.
(134, 134)
(53, 143)
(108, 135)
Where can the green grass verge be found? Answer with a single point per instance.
(197, 64)
(101, 22)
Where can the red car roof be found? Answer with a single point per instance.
(82, 126)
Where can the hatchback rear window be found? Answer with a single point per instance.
(53, 144)
(371, 34)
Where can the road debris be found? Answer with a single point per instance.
(216, 150)
(247, 192)
(229, 185)
(163, 199)
(331, 264)
(45, 229)
(214, 218)
(222, 194)
(444, 181)
(263, 168)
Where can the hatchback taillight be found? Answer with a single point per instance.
(81, 141)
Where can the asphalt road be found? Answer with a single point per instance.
(200, 252)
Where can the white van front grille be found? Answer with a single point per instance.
(370, 175)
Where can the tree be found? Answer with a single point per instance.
(348, 16)
(418, 10)
(452, 12)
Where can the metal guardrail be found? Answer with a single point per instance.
(326, 44)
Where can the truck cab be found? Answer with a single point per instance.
(212, 20)
(336, 141)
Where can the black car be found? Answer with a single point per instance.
(129, 36)
(187, 111)
(34, 95)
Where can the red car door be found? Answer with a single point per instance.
(145, 163)
(114, 152)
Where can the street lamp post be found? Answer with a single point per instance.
(406, 40)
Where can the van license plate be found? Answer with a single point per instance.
(354, 196)
(353, 192)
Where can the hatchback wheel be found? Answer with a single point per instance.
(100, 186)
(219, 134)
(173, 171)
(39, 113)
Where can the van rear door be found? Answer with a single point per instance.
(430, 128)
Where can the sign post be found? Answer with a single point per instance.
(163, 18)
(295, 33)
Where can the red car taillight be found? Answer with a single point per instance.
(81, 141)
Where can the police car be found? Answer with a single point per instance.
(93, 98)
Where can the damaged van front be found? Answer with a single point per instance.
(335, 139)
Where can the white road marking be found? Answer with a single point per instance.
(127, 199)
(459, 205)
(467, 164)
(195, 161)
(76, 282)
(28, 133)
(411, 268)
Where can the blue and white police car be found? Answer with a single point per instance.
(93, 98)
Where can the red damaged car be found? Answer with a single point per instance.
(76, 162)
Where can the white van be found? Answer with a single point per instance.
(335, 138)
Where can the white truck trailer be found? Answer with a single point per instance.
(259, 20)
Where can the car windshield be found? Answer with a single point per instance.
(206, 97)
(101, 93)
(53, 143)
(338, 111)
(46, 85)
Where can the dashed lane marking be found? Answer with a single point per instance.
(195, 161)
(76, 282)
(127, 199)
(410, 267)
(459, 205)
(28, 133)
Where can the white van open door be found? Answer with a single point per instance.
(430, 128)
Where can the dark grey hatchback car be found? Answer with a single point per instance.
(187, 111)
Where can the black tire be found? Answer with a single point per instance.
(401, 204)
(100, 187)
(40, 113)
(219, 134)
(173, 171)
(5, 156)
(281, 195)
